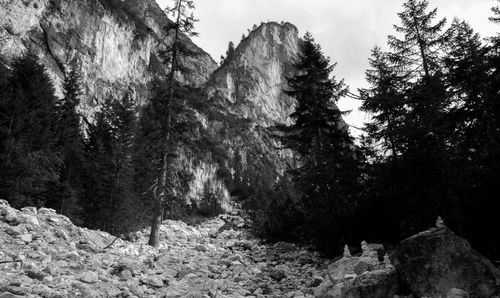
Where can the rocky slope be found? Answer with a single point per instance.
(116, 42)
(44, 255)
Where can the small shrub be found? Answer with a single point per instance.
(276, 213)
(210, 203)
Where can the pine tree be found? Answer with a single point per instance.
(328, 173)
(238, 178)
(409, 100)
(123, 122)
(167, 101)
(32, 102)
(408, 94)
(98, 183)
(419, 51)
(467, 67)
(230, 51)
(110, 201)
(317, 119)
(418, 58)
(472, 77)
(385, 103)
(70, 141)
(29, 162)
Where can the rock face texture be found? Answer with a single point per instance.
(436, 261)
(117, 43)
(253, 78)
(250, 84)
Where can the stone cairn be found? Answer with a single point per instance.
(347, 252)
(439, 222)
(387, 262)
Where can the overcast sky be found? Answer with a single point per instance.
(346, 29)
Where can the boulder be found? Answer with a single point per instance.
(305, 259)
(15, 231)
(89, 277)
(284, 247)
(61, 234)
(46, 211)
(29, 210)
(36, 274)
(26, 238)
(11, 218)
(201, 248)
(277, 273)
(373, 284)
(153, 281)
(329, 290)
(9, 295)
(433, 262)
(457, 293)
(30, 219)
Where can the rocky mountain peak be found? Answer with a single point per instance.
(252, 78)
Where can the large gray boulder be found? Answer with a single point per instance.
(374, 284)
(433, 262)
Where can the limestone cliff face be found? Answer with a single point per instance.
(250, 85)
(116, 44)
(252, 79)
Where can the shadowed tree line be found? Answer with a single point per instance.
(430, 149)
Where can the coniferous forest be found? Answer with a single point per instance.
(431, 147)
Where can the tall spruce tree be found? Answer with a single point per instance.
(29, 162)
(168, 101)
(469, 87)
(475, 80)
(417, 56)
(418, 52)
(409, 102)
(110, 201)
(97, 198)
(328, 174)
(70, 142)
(384, 102)
(122, 119)
(317, 119)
